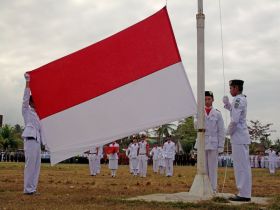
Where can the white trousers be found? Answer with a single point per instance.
(169, 166)
(211, 167)
(130, 165)
(113, 164)
(142, 165)
(272, 166)
(134, 165)
(155, 165)
(32, 152)
(93, 164)
(242, 169)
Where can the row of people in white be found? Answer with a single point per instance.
(261, 161)
(163, 157)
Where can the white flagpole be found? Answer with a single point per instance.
(201, 185)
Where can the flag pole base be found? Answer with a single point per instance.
(201, 187)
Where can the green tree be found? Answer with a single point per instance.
(277, 145)
(164, 131)
(260, 133)
(10, 138)
(186, 133)
(1, 142)
(257, 130)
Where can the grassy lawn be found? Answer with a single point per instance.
(69, 186)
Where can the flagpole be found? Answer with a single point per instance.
(201, 185)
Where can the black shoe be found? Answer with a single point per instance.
(29, 193)
(240, 199)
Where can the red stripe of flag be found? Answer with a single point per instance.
(131, 54)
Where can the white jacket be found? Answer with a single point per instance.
(237, 128)
(133, 150)
(169, 149)
(31, 120)
(155, 153)
(215, 130)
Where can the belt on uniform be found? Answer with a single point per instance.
(93, 153)
(142, 154)
(30, 138)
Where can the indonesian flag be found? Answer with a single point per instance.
(124, 84)
(112, 149)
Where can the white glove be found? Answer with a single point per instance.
(225, 100)
(27, 77)
(47, 148)
(220, 150)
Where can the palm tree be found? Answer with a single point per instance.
(164, 130)
(9, 138)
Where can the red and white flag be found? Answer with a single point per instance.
(127, 83)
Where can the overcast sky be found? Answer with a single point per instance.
(33, 33)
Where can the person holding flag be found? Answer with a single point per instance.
(33, 138)
(113, 151)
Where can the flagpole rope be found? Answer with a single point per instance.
(224, 78)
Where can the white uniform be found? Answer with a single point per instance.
(99, 156)
(154, 153)
(252, 161)
(127, 153)
(278, 162)
(256, 161)
(272, 157)
(133, 157)
(161, 160)
(143, 158)
(32, 147)
(93, 160)
(169, 152)
(214, 143)
(262, 161)
(240, 141)
(113, 160)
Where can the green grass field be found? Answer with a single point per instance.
(69, 186)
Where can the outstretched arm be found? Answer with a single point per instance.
(26, 96)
